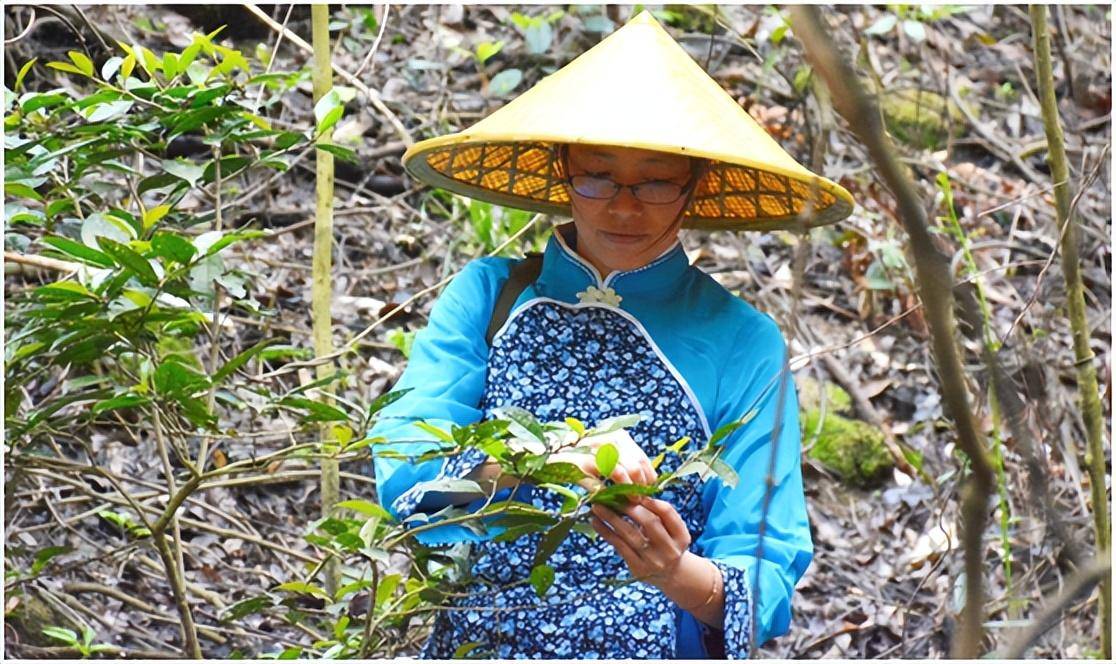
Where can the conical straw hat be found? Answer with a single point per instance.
(637, 88)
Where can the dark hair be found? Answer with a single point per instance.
(562, 153)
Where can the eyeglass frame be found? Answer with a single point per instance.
(697, 165)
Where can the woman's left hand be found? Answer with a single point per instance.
(654, 547)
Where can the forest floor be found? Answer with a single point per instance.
(886, 578)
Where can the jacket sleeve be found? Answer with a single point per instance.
(446, 375)
(730, 538)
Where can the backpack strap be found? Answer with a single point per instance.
(522, 274)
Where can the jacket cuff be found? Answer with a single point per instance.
(738, 610)
(456, 466)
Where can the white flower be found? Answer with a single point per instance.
(607, 296)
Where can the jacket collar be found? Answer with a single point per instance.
(569, 277)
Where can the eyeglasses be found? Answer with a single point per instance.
(656, 192)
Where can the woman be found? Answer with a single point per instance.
(634, 141)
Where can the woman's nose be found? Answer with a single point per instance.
(625, 202)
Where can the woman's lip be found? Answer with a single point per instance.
(622, 239)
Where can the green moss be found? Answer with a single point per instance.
(837, 400)
(853, 450)
(920, 118)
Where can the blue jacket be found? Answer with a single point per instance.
(678, 348)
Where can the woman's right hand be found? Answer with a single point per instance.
(632, 466)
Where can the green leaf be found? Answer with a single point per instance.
(915, 30)
(43, 557)
(341, 152)
(66, 67)
(64, 291)
(524, 421)
(111, 66)
(883, 25)
(154, 214)
(550, 541)
(84, 64)
(504, 82)
(538, 36)
(170, 65)
(330, 119)
(172, 247)
(128, 65)
(33, 102)
(724, 471)
(387, 587)
(576, 425)
(125, 256)
(542, 577)
(20, 189)
(175, 379)
(184, 169)
(725, 430)
(245, 607)
(79, 251)
(23, 72)
(616, 495)
(62, 634)
(385, 400)
(303, 588)
(242, 357)
(121, 401)
(611, 424)
(437, 432)
(365, 507)
(108, 111)
(326, 106)
(464, 649)
(486, 50)
(561, 472)
(607, 456)
(98, 225)
(318, 411)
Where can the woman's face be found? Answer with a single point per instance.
(623, 232)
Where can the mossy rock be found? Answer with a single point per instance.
(30, 616)
(853, 450)
(920, 118)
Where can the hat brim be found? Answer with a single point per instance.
(525, 173)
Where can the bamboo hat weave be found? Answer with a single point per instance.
(636, 88)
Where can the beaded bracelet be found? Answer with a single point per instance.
(712, 592)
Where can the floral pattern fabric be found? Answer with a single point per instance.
(590, 363)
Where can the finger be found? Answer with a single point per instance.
(626, 552)
(590, 484)
(629, 532)
(620, 475)
(652, 475)
(649, 523)
(669, 518)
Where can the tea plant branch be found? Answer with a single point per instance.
(1092, 412)
(373, 96)
(196, 523)
(42, 262)
(936, 292)
(69, 652)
